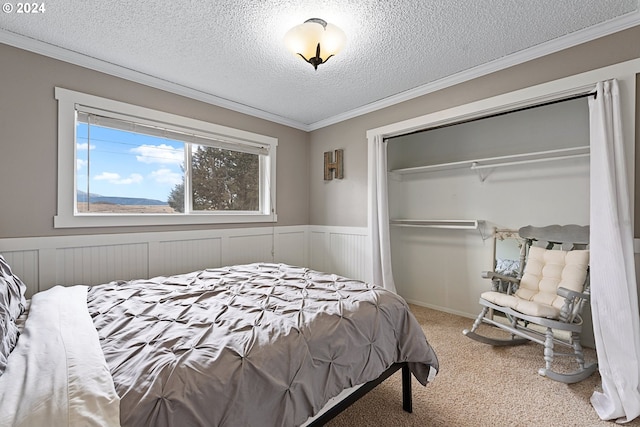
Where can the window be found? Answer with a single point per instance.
(120, 164)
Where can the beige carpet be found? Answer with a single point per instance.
(478, 385)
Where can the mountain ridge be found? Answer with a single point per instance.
(81, 196)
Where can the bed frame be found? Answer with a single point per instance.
(407, 403)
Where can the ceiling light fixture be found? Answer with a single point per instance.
(315, 41)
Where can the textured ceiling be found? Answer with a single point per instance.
(230, 52)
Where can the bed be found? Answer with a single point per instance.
(260, 344)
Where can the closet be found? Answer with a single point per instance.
(449, 187)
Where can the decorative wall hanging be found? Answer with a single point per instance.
(330, 166)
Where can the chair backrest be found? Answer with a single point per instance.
(569, 237)
(552, 257)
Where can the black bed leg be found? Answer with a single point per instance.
(407, 403)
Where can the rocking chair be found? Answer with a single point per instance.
(547, 296)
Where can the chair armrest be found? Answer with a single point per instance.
(501, 283)
(497, 276)
(573, 302)
(569, 294)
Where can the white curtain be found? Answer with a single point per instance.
(379, 208)
(614, 299)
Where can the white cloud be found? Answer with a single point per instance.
(115, 178)
(107, 176)
(166, 176)
(84, 146)
(162, 153)
(80, 163)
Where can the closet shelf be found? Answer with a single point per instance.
(461, 224)
(492, 162)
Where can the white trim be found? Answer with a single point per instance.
(356, 231)
(141, 220)
(591, 33)
(104, 104)
(66, 216)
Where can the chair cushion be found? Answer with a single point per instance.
(546, 270)
(531, 308)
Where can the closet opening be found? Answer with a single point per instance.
(450, 185)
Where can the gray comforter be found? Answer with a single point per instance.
(249, 345)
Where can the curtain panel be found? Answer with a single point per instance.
(614, 299)
(379, 216)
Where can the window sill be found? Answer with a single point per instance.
(119, 220)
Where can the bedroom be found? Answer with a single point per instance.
(309, 231)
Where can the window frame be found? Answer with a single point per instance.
(67, 216)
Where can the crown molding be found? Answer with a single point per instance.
(582, 36)
(75, 58)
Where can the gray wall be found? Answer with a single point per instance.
(350, 195)
(28, 141)
(550, 127)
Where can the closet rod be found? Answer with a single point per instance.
(461, 224)
(475, 165)
(502, 113)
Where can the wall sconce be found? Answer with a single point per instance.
(315, 41)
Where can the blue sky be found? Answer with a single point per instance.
(128, 164)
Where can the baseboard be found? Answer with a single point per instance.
(441, 308)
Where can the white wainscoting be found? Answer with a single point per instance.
(343, 250)
(42, 262)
